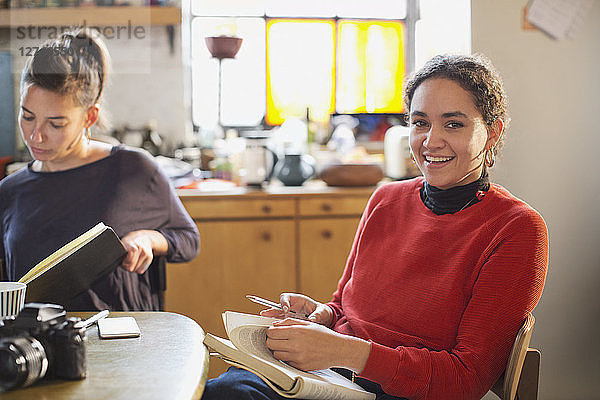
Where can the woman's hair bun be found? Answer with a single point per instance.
(76, 63)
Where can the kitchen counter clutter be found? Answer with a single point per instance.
(310, 188)
(263, 242)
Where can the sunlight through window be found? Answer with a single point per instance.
(325, 56)
(370, 67)
(300, 69)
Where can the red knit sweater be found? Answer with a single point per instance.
(441, 297)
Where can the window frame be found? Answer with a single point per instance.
(410, 21)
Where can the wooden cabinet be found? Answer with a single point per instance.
(262, 243)
(236, 258)
(323, 248)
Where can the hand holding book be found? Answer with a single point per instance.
(310, 346)
(301, 340)
(142, 246)
(73, 268)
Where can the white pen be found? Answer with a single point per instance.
(91, 320)
(269, 303)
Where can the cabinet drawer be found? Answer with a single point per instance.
(324, 246)
(346, 205)
(228, 209)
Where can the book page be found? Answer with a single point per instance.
(276, 371)
(62, 253)
(232, 319)
(249, 333)
(327, 384)
(252, 339)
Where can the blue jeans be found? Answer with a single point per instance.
(239, 384)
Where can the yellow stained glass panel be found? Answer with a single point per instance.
(300, 69)
(371, 66)
(302, 74)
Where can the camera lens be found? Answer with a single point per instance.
(22, 362)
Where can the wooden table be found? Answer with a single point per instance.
(168, 361)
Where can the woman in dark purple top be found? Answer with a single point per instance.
(74, 182)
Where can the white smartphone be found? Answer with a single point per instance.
(119, 327)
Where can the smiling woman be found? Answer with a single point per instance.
(457, 111)
(448, 136)
(443, 270)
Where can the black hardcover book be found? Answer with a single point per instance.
(74, 268)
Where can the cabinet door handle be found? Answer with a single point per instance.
(326, 234)
(326, 207)
(266, 209)
(266, 236)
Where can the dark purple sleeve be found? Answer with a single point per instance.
(179, 230)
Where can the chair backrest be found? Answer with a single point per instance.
(506, 387)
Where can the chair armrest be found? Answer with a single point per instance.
(530, 376)
(529, 380)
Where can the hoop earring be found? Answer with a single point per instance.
(489, 157)
(88, 133)
(412, 156)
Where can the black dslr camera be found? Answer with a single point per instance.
(40, 342)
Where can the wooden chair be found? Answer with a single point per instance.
(521, 377)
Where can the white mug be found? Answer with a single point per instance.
(12, 298)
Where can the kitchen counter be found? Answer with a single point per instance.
(277, 190)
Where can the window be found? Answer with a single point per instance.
(371, 66)
(324, 56)
(300, 69)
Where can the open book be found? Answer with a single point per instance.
(73, 268)
(247, 348)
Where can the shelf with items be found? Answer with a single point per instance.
(90, 16)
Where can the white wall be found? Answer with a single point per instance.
(146, 82)
(551, 161)
(149, 86)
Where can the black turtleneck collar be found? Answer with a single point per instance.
(455, 199)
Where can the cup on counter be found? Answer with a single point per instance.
(12, 298)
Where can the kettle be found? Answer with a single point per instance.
(294, 169)
(258, 161)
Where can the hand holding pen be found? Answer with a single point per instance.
(297, 306)
(281, 311)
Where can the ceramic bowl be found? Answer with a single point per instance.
(352, 174)
(223, 46)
